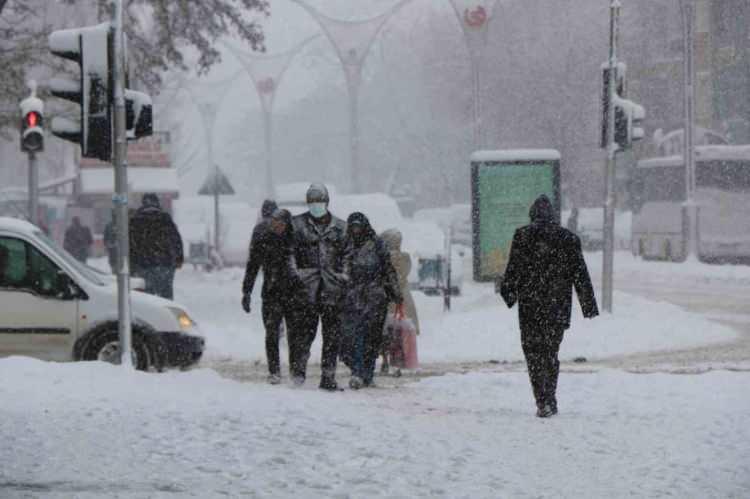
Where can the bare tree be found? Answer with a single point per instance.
(160, 33)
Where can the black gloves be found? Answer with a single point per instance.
(246, 303)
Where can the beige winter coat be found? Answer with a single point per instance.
(402, 263)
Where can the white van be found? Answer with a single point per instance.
(52, 307)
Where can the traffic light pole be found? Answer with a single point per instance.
(120, 198)
(609, 177)
(33, 189)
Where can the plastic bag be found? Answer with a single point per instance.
(401, 342)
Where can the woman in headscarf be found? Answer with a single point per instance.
(401, 261)
(372, 286)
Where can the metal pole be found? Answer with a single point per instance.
(688, 143)
(268, 127)
(477, 102)
(33, 189)
(120, 199)
(609, 177)
(353, 84)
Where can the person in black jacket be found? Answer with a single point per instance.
(319, 254)
(78, 240)
(545, 264)
(155, 247)
(269, 250)
(373, 284)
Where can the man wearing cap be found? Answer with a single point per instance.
(155, 247)
(320, 257)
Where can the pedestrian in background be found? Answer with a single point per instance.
(110, 242)
(78, 240)
(373, 284)
(319, 251)
(401, 261)
(270, 250)
(545, 264)
(155, 247)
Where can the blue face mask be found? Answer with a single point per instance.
(317, 210)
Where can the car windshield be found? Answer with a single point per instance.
(82, 269)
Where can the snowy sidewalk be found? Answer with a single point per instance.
(92, 430)
(478, 329)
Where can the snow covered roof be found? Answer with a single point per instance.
(140, 179)
(516, 155)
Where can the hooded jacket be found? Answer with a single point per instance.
(545, 264)
(271, 252)
(154, 239)
(401, 262)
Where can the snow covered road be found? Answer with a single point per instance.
(92, 430)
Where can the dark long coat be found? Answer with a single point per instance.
(271, 252)
(321, 259)
(154, 239)
(545, 264)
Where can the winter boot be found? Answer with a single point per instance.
(274, 379)
(329, 384)
(355, 383)
(545, 411)
(298, 380)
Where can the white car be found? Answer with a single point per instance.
(52, 307)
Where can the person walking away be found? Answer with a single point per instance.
(545, 264)
(110, 242)
(401, 261)
(373, 284)
(321, 259)
(572, 223)
(270, 250)
(78, 240)
(155, 247)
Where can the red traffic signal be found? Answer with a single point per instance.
(32, 119)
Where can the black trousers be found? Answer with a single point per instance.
(274, 311)
(302, 330)
(540, 347)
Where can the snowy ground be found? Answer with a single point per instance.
(92, 430)
(479, 328)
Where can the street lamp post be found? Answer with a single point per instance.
(352, 41)
(687, 10)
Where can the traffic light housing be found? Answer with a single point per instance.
(92, 48)
(139, 121)
(628, 115)
(32, 125)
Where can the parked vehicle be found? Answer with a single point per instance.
(55, 308)
(722, 192)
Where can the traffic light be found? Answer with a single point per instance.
(628, 115)
(32, 124)
(139, 120)
(92, 48)
(620, 90)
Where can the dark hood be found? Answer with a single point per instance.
(542, 211)
(269, 206)
(358, 218)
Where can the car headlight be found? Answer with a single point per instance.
(183, 319)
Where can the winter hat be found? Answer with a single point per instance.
(269, 206)
(150, 200)
(542, 210)
(317, 193)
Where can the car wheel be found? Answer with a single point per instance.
(106, 347)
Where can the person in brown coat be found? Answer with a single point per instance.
(401, 261)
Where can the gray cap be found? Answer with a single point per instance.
(317, 193)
